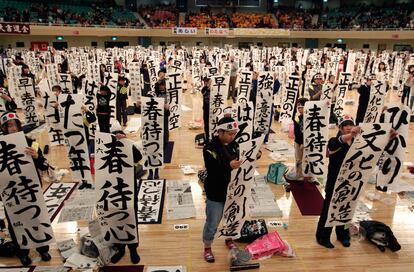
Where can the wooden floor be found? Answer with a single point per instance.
(161, 245)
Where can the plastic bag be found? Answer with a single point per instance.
(266, 246)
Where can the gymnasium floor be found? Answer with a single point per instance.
(162, 245)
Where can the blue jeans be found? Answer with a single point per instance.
(214, 213)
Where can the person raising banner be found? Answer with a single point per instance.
(220, 158)
(338, 148)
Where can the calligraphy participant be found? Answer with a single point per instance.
(315, 89)
(220, 158)
(364, 94)
(298, 129)
(6, 100)
(10, 123)
(121, 100)
(337, 149)
(103, 109)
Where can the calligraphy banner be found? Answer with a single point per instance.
(115, 189)
(71, 105)
(196, 73)
(392, 160)
(315, 136)
(25, 89)
(93, 71)
(150, 201)
(376, 101)
(175, 99)
(356, 169)
(65, 82)
(78, 155)
(153, 131)
(290, 95)
(153, 74)
(264, 102)
(328, 90)
(90, 89)
(22, 194)
(244, 84)
(218, 101)
(111, 81)
(344, 80)
(55, 195)
(135, 81)
(237, 208)
(243, 113)
(52, 74)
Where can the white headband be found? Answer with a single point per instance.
(228, 126)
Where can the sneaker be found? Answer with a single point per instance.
(45, 256)
(325, 243)
(208, 255)
(25, 260)
(346, 242)
(82, 186)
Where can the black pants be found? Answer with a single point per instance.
(121, 106)
(103, 121)
(324, 233)
(406, 95)
(206, 121)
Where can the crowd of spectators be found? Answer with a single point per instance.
(252, 20)
(166, 16)
(161, 16)
(206, 18)
(83, 15)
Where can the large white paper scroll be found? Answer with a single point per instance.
(376, 101)
(218, 101)
(344, 80)
(236, 209)
(243, 113)
(289, 98)
(65, 82)
(152, 119)
(392, 161)
(356, 169)
(135, 81)
(315, 138)
(22, 194)
(115, 189)
(111, 80)
(264, 102)
(244, 84)
(175, 99)
(27, 95)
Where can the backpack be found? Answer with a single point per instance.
(251, 230)
(380, 235)
(130, 110)
(275, 173)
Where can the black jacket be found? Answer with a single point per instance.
(298, 129)
(217, 158)
(364, 92)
